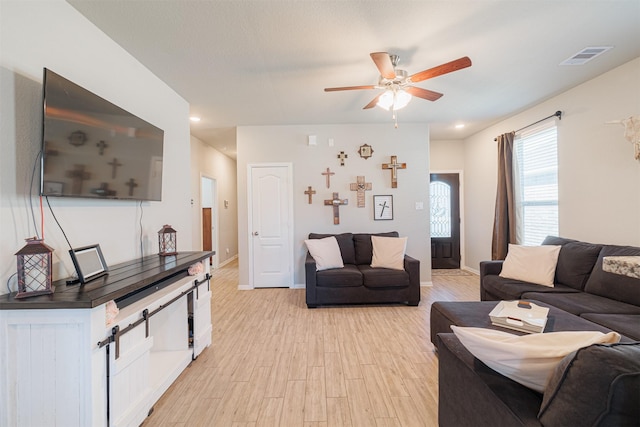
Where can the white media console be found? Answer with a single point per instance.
(62, 365)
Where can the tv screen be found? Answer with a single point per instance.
(92, 148)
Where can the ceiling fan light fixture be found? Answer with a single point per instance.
(394, 99)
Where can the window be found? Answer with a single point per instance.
(536, 184)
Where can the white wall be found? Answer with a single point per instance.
(446, 155)
(410, 142)
(599, 180)
(209, 162)
(52, 34)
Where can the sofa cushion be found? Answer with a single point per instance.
(625, 324)
(581, 392)
(534, 264)
(388, 252)
(527, 359)
(575, 261)
(383, 277)
(614, 286)
(325, 252)
(582, 302)
(510, 289)
(345, 242)
(364, 248)
(347, 276)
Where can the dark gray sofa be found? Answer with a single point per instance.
(598, 385)
(581, 286)
(357, 282)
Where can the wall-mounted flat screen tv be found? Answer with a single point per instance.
(93, 148)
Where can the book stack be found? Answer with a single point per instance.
(521, 316)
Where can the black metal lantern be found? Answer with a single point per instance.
(35, 262)
(167, 242)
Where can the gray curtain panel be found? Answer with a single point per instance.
(504, 224)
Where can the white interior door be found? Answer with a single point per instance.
(271, 226)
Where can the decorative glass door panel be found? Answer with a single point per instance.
(444, 191)
(440, 194)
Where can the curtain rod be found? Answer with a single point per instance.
(557, 114)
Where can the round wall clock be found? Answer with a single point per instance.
(365, 151)
(383, 207)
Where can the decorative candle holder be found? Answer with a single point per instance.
(35, 262)
(167, 242)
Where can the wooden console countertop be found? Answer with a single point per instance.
(123, 279)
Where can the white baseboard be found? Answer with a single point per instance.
(245, 288)
(227, 261)
(471, 270)
(426, 283)
(298, 286)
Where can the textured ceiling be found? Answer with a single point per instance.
(267, 62)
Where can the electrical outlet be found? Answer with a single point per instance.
(227, 251)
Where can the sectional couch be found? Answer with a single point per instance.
(581, 286)
(598, 385)
(357, 282)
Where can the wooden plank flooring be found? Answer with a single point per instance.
(273, 362)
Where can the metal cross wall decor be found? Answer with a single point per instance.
(310, 192)
(101, 145)
(342, 156)
(328, 174)
(336, 202)
(394, 166)
(131, 184)
(360, 186)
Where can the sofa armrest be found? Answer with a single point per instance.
(412, 266)
(488, 268)
(310, 280)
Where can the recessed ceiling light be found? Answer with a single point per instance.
(194, 119)
(459, 125)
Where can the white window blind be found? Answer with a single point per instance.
(536, 184)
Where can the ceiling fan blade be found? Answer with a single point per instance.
(449, 67)
(383, 62)
(373, 103)
(334, 89)
(423, 93)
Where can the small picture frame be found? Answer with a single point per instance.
(383, 207)
(89, 263)
(52, 188)
(365, 151)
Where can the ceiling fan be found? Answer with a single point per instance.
(397, 85)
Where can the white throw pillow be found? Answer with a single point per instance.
(534, 264)
(528, 359)
(388, 252)
(325, 252)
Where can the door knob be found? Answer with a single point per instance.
(255, 233)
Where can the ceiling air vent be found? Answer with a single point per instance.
(586, 55)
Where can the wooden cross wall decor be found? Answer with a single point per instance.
(394, 166)
(336, 202)
(114, 165)
(310, 192)
(78, 175)
(342, 156)
(328, 174)
(360, 186)
(131, 184)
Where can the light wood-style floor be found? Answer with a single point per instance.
(273, 362)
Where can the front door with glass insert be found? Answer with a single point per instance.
(444, 193)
